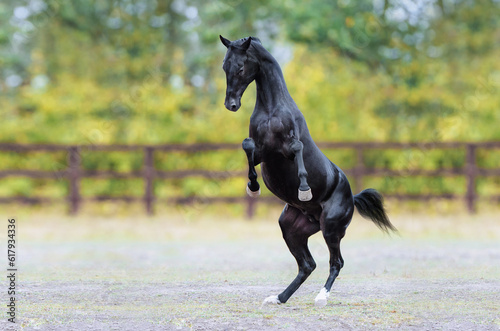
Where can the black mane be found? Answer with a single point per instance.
(242, 40)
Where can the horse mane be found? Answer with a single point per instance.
(242, 40)
(255, 39)
(256, 50)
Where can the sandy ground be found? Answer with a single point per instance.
(88, 273)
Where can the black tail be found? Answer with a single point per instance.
(370, 204)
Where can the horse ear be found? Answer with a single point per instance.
(246, 44)
(225, 41)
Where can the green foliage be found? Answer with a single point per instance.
(148, 72)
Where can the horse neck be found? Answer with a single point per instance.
(271, 87)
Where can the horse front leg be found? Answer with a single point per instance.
(253, 187)
(305, 193)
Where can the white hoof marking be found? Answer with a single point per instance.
(305, 195)
(271, 300)
(321, 298)
(252, 193)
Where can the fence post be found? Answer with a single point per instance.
(251, 202)
(148, 179)
(74, 179)
(359, 171)
(470, 172)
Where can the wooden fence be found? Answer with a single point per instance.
(74, 172)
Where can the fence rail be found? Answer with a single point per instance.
(74, 172)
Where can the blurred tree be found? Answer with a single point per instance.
(148, 71)
(351, 28)
(13, 34)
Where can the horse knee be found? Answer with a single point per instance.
(296, 146)
(252, 175)
(248, 145)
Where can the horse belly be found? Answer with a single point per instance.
(281, 179)
(280, 176)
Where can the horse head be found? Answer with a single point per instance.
(240, 67)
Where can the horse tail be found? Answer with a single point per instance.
(370, 205)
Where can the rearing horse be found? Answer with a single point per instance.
(317, 193)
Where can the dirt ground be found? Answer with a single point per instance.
(187, 273)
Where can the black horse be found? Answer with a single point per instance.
(317, 193)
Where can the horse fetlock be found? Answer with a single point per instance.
(253, 181)
(305, 195)
(253, 184)
(251, 193)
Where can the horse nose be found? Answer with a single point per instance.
(231, 104)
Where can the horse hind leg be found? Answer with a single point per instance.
(336, 263)
(333, 228)
(253, 187)
(296, 229)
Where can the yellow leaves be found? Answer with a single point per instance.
(336, 97)
(349, 22)
(340, 99)
(413, 98)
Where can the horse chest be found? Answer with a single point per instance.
(271, 134)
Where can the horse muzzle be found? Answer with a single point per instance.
(232, 104)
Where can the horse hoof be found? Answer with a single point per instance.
(305, 195)
(321, 298)
(252, 193)
(271, 300)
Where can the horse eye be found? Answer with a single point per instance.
(240, 72)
